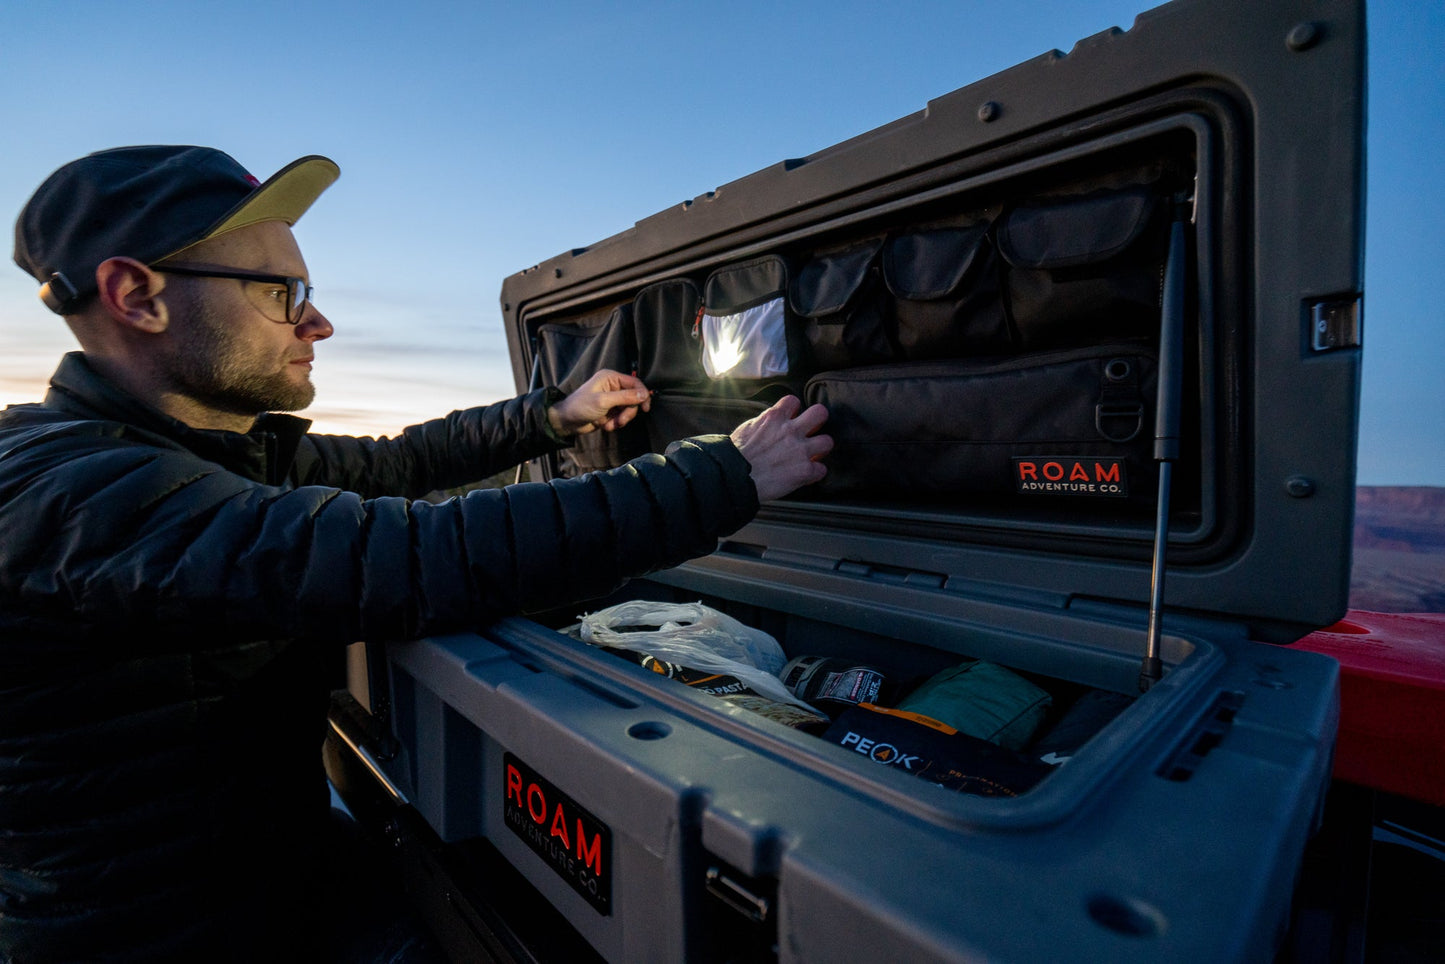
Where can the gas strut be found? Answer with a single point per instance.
(1166, 424)
(533, 383)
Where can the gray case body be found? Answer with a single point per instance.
(1177, 832)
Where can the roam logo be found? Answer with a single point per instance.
(574, 843)
(1071, 475)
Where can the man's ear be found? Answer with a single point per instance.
(128, 292)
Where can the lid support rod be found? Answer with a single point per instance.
(1166, 429)
(534, 382)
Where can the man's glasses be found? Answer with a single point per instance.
(294, 292)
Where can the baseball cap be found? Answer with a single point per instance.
(148, 203)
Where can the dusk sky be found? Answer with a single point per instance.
(477, 139)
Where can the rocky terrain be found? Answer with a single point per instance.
(1399, 557)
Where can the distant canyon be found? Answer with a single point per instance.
(1399, 554)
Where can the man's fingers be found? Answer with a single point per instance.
(812, 419)
(606, 380)
(818, 446)
(607, 401)
(620, 417)
(787, 406)
(808, 421)
(784, 448)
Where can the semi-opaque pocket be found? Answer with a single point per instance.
(946, 289)
(1068, 424)
(570, 354)
(1084, 268)
(844, 308)
(743, 325)
(668, 349)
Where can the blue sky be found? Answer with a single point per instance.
(476, 139)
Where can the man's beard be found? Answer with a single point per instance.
(213, 368)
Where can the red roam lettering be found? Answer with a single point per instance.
(1071, 476)
(589, 853)
(574, 843)
(559, 826)
(533, 799)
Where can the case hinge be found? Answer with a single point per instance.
(807, 560)
(897, 576)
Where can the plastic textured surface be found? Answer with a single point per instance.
(1106, 860)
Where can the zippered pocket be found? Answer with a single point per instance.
(676, 415)
(668, 351)
(1070, 425)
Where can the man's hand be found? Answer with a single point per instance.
(607, 401)
(782, 449)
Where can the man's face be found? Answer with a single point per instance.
(231, 349)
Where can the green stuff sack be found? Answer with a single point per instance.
(983, 700)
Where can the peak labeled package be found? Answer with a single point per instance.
(1088, 333)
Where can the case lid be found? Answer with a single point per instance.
(1249, 114)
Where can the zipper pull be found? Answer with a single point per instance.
(697, 322)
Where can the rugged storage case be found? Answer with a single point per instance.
(1089, 330)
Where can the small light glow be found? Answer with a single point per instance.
(724, 355)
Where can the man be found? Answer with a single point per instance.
(177, 569)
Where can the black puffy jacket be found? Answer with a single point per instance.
(169, 597)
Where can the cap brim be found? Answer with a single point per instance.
(285, 196)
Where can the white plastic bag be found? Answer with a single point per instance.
(696, 636)
(682, 633)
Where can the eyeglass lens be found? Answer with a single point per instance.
(300, 294)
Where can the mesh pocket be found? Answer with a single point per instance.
(946, 287)
(743, 325)
(1085, 268)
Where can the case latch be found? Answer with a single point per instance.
(740, 913)
(755, 907)
(1335, 324)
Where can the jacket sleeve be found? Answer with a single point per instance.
(465, 446)
(160, 540)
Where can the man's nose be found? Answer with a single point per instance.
(313, 325)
